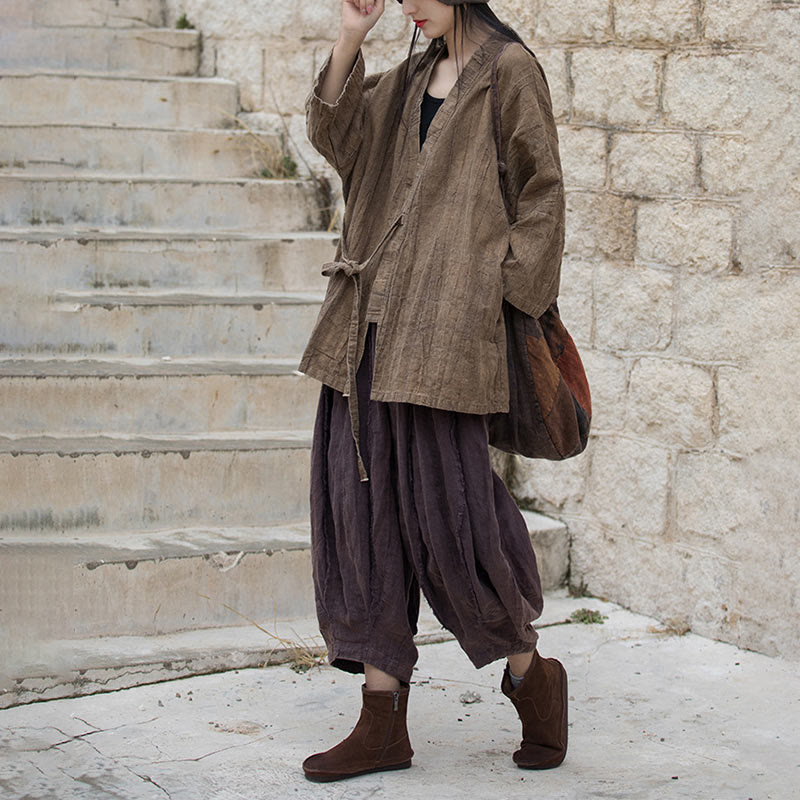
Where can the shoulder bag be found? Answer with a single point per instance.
(550, 406)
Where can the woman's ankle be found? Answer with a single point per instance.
(519, 664)
(379, 681)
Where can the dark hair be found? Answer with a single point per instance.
(466, 16)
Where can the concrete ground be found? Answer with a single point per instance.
(652, 715)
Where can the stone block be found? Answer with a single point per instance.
(550, 541)
(656, 21)
(521, 13)
(724, 165)
(554, 63)
(716, 497)
(716, 319)
(615, 85)
(600, 225)
(298, 23)
(671, 402)
(638, 573)
(633, 308)
(244, 61)
(116, 14)
(738, 394)
(232, 19)
(769, 233)
(576, 299)
(573, 20)
(15, 14)
(628, 487)
(583, 156)
(710, 92)
(731, 20)
(652, 163)
(607, 383)
(697, 236)
(208, 56)
(551, 485)
(754, 403)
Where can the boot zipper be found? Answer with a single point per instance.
(395, 706)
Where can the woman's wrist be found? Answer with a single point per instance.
(349, 43)
(343, 57)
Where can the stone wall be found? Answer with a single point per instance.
(680, 138)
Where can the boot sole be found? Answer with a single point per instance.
(328, 777)
(555, 762)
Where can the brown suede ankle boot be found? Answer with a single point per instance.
(378, 742)
(541, 702)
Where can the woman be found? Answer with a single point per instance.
(410, 348)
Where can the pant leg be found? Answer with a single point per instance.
(468, 542)
(367, 596)
(433, 514)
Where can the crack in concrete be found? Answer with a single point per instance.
(37, 768)
(69, 738)
(98, 680)
(111, 760)
(207, 755)
(147, 779)
(82, 738)
(88, 724)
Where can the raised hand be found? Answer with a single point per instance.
(360, 16)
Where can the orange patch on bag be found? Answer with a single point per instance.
(546, 376)
(571, 368)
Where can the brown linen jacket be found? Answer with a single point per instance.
(427, 249)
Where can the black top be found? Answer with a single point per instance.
(430, 105)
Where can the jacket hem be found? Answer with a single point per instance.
(441, 403)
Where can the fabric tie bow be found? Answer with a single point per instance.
(353, 269)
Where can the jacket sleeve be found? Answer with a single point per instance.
(335, 129)
(531, 269)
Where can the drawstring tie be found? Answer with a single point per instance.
(353, 269)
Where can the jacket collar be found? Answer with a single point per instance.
(480, 60)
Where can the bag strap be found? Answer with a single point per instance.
(502, 167)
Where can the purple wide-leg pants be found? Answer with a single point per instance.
(433, 515)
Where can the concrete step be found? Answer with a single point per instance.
(140, 583)
(46, 259)
(164, 404)
(106, 13)
(111, 298)
(32, 97)
(143, 51)
(163, 583)
(163, 324)
(107, 149)
(60, 668)
(146, 444)
(240, 204)
(87, 367)
(95, 484)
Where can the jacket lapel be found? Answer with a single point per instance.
(470, 71)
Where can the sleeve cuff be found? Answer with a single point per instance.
(350, 95)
